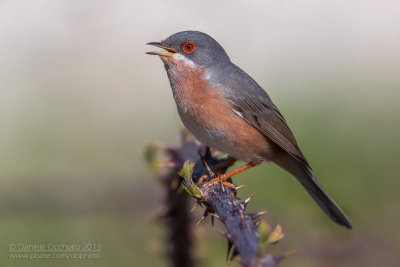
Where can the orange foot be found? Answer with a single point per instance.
(222, 177)
(216, 169)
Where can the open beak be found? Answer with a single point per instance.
(169, 51)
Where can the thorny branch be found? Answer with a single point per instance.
(247, 234)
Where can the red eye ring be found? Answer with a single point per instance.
(189, 47)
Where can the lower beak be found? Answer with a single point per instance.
(169, 51)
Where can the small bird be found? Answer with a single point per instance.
(224, 108)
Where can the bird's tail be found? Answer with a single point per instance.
(306, 177)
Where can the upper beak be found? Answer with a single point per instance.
(169, 51)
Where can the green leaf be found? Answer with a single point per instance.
(276, 235)
(188, 185)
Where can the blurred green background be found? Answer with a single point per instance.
(79, 101)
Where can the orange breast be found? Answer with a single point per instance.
(208, 115)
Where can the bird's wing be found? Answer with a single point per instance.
(254, 105)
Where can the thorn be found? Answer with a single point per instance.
(194, 207)
(261, 213)
(207, 212)
(230, 245)
(244, 203)
(201, 219)
(214, 215)
(210, 172)
(258, 216)
(239, 187)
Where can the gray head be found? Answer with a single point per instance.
(198, 47)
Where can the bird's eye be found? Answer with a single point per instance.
(189, 47)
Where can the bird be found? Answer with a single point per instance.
(226, 109)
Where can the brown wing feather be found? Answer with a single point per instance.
(256, 107)
(266, 118)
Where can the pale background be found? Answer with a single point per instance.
(79, 101)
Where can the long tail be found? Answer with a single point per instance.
(308, 180)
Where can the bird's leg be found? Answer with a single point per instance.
(224, 164)
(216, 169)
(223, 177)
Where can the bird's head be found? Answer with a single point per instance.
(190, 47)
